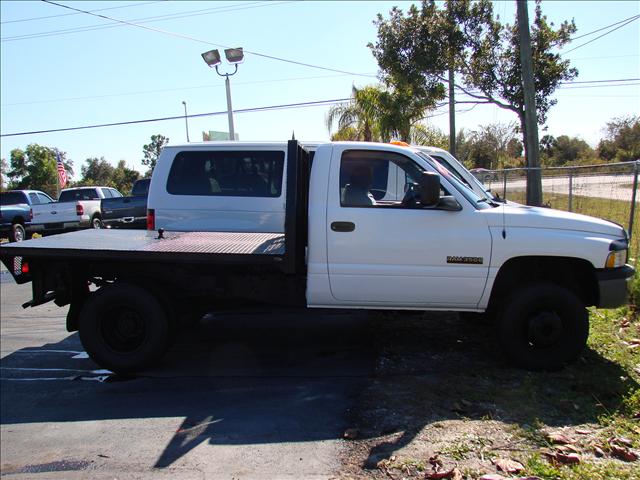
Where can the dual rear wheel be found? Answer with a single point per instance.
(124, 328)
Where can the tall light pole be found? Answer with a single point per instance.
(186, 122)
(235, 56)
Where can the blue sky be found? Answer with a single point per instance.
(54, 77)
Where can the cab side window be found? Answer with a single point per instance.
(227, 173)
(377, 179)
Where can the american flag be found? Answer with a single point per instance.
(62, 173)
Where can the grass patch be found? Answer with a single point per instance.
(607, 470)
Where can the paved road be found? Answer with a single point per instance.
(244, 396)
(615, 187)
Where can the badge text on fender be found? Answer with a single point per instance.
(473, 260)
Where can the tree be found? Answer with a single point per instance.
(97, 172)
(152, 151)
(358, 119)
(379, 113)
(35, 168)
(622, 139)
(123, 177)
(429, 136)
(558, 151)
(4, 170)
(417, 48)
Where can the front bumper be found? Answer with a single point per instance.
(612, 286)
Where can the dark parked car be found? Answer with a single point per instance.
(127, 212)
(16, 213)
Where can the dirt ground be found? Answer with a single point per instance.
(444, 397)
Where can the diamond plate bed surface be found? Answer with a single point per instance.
(239, 243)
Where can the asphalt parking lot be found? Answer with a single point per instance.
(244, 395)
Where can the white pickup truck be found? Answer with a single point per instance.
(76, 208)
(354, 226)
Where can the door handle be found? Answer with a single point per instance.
(343, 226)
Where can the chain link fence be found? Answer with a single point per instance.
(606, 191)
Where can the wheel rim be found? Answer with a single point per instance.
(18, 233)
(544, 329)
(123, 329)
(97, 223)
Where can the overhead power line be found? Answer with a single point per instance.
(317, 103)
(157, 18)
(187, 37)
(77, 13)
(603, 28)
(632, 19)
(615, 83)
(178, 89)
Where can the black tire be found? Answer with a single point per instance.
(543, 326)
(96, 222)
(124, 328)
(17, 233)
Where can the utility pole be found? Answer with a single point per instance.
(452, 99)
(186, 122)
(534, 179)
(452, 115)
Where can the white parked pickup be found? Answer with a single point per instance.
(76, 208)
(347, 226)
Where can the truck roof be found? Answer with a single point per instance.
(81, 188)
(256, 144)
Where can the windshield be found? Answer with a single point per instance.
(469, 194)
(480, 187)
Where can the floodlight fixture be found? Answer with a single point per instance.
(212, 58)
(234, 55)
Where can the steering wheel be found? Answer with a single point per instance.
(411, 196)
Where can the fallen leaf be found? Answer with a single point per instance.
(598, 451)
(447, 474)
(622, 441)
(350, 433)
(492, 476)
(623, 453)
(570, 458)
(634, 341)
(508, 466)
(573, 448)
(580, 431)
(557, 437)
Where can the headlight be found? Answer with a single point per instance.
(616, 259)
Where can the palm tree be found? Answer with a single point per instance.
(358, 119)
(376, 113)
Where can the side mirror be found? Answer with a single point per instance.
(449, 203)
(429, 189)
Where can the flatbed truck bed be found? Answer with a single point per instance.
(143, 246)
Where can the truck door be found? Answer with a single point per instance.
(381, 253)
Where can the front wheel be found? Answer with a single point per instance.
(543, 326)
(124, 328)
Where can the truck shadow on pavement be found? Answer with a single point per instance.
(287, 377)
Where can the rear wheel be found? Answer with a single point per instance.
(18, 233)
(543, 326)
(96, 222)
(124, 328)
